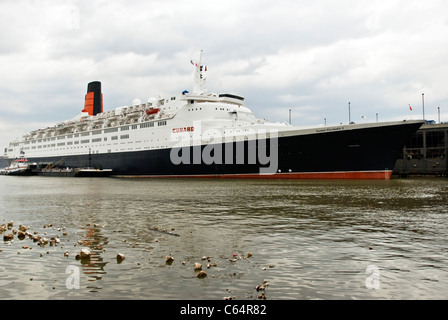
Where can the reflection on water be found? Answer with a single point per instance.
(94, 266)
(308, 239)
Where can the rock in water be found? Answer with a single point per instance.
(202, 274)
(197, 266)
(120, 257)
(8, 237)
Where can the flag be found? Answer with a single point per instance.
(410, 108)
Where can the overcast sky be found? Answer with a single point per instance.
(309, 56)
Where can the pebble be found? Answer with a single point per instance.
(197, 266)
(26, 232)
(8, 237)
(120, 257)
(262, 286)
(84, 254)
(169, 259)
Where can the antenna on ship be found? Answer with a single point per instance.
(199, 79)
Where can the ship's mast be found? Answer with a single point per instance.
(199, 80)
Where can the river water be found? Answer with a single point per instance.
(308, 239)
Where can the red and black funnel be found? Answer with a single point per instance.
(94, 99)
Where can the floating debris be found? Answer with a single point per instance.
(164, 231)
(201, 274)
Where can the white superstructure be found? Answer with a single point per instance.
(155, 124)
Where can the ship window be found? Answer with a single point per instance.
(435, 139)
(124, 136)
(416, 141)
(146, 125)
(85, 141)
(124, 128)
(96, 140)
(115, 138)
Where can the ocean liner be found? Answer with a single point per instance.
(214, 135)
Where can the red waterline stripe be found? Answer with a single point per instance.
(373, 175)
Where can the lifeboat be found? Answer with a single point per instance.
(150, 112)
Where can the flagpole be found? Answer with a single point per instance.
(349, 116)
(423, 105)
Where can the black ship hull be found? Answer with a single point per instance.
(347, 152)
